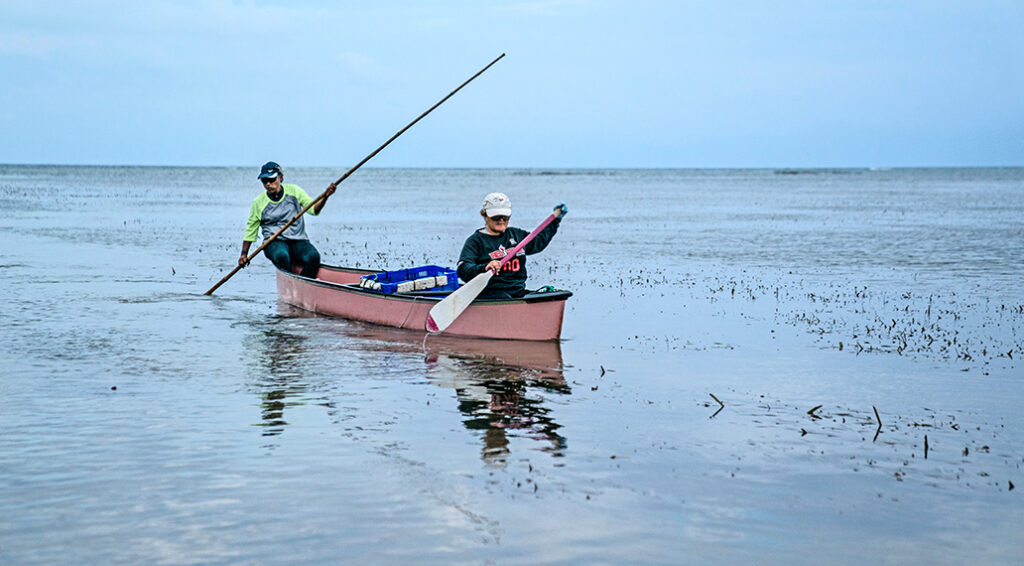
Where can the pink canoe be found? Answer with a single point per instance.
(335, 292)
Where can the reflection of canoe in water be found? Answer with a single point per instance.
(335, 292)
(540, 359)
(502, 387)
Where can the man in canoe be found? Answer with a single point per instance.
(273, 209)
(485, 248)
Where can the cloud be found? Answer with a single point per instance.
(29, 45)
(360, 64)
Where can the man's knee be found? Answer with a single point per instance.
(309, 255)
(279, 256)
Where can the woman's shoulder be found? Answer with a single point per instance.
(518, 233)
(477, 235)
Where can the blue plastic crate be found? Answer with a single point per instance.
(425, 278)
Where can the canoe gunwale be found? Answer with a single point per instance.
(532, 297)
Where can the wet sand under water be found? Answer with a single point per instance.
(766, 382)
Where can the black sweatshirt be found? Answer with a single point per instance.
(481, 248)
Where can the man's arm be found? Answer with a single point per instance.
(243, 259)
(327, 194)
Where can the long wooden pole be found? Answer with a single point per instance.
(346, 175)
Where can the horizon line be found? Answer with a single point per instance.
(781, 168)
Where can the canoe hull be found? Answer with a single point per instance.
(335, 292)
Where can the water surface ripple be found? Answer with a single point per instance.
(758, 366)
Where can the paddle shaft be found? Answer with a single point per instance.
(347, 173)
(526, 240)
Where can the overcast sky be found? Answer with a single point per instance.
(585, 83)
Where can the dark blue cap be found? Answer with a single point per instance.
(270, 170)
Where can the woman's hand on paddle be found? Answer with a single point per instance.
(494, 265)
(561, 209)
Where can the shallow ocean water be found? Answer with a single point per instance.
(147, 423)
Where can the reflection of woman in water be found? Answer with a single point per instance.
(498, 402)
(500, 385)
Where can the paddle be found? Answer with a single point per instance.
(345, 176)
(444, 313)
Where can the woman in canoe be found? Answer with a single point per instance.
(485, 248)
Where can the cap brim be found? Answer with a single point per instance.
(268, 175)
(492, 212)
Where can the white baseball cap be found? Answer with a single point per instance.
(497, 204)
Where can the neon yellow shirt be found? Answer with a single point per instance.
(271, 215)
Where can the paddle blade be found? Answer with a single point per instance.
(444, 313)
